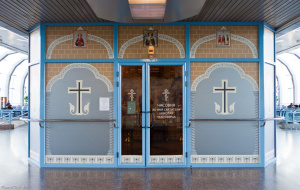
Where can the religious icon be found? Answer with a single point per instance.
(150, 38)
(80, 38)
(131, 105)
(223, 37)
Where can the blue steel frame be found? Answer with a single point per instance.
(184, 127)
(186, 60)
(118, 94)
(146, 117)
(30, 65)
(273, 64)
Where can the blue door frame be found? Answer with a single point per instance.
(146, 116)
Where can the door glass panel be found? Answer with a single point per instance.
(131, 106)
(166, 136)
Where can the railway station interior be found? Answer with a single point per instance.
(150, 94)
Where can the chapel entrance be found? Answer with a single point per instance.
(152, 115)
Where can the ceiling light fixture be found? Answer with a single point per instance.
(147, 9)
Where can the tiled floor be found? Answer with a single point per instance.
(17, 173)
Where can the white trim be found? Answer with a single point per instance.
(269, 155)
(131, 159)
(233, 37)
(217, 159)
(70, 37)
(79, 159)
(35, 156)
(224, 65)
(160, 36)
(166, 159)
(75, 66)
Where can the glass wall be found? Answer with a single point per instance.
(13, 71)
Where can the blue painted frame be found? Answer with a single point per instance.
(146, 119)
(119, 120)
(163, 165)
(187, 62)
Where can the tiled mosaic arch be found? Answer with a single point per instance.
(79, 65)
(227, 65)
(90, 37)
(233, 37)
(211, 159)
(160, 36)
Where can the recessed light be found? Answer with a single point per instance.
(147, 9)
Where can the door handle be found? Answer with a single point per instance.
(152, 120)
(140, 120)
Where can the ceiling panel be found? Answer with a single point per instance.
(23, 15)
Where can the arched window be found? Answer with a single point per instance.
(13, 70)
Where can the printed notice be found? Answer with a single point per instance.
(104, 104)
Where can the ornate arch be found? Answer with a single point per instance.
(160, 36)
(223, 65)
(90, 37)
(75, 66)
(233, 37)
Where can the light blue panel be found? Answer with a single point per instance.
(78, 138)
(230, 137)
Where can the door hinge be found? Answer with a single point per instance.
(185, 83)
(117, 154)
(118, 73)
(186, 154)
(117, 84)
(186, 73)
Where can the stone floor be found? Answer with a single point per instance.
(17, 173)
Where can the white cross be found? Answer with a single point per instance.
(131, 94)
(166, 92)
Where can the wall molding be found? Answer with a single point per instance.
(228, 159)
(131, 159)
(79, 159)
(70, 37)
(166, 159)
(224, 65)
(76, 66)
(233, 37)
(160, 36)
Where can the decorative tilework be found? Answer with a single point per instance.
(79, 65)
(269, 155)
(35, 156)
(217, 159)
(233, 37)
(166, 159)
(79, 159)
(175, 42)
(131, 159)
(160, 36)
(223, 65)
(199, 42)
(70, 37)
(246, 41)
(104, 42)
